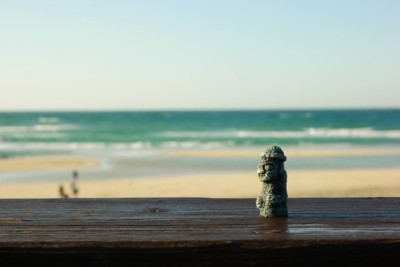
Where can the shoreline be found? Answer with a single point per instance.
(290, 152)
(40, 177)
(67, 162)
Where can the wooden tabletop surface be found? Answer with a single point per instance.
(196, 230)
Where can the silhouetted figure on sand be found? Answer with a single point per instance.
(61, 191)
(74, 186)
(75, 174)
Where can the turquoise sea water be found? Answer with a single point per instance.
(24, 133)
(129, 144)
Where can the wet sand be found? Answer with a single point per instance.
(45, 163)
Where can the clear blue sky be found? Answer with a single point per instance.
(217, 54)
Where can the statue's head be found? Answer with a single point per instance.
(274, 153)
(271, 164)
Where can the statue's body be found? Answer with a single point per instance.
(271, 171)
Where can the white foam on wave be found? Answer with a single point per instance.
(129, 146)
(43, 146)
(353, 133)
(13, 129)
(35, 132)
(53, 128)
(37, 128)
(306, 133)
(196, 145)
(65, 146)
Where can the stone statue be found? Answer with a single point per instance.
(273, 199)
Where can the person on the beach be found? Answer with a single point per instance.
(75, 174)
(61, 191)
(74, 186)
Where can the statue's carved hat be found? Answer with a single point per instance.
(274, 153)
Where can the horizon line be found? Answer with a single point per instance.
(197, 109)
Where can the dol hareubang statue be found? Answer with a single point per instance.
(273, 199)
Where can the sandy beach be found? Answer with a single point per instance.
(371, 182)
(328, 183)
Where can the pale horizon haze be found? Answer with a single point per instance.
(184, 55)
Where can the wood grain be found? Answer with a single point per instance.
(198, 232)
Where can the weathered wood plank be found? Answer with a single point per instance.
(198, 232)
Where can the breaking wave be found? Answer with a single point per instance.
(37, 128)
(364, 133)
(44, 146)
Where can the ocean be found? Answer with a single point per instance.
(130, 144)
(26, 133)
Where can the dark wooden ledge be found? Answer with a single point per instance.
(198, 232)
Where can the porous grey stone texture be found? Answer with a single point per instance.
(272, 201)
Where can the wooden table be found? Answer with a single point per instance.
(198, 232)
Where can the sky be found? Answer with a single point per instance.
(204, 54)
